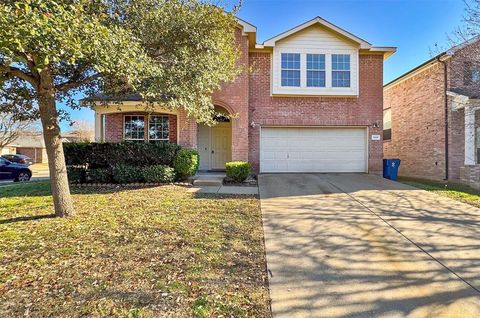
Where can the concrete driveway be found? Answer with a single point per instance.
(355, 245)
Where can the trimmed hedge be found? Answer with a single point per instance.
(238, 170)
(99, 175)
(159, 174)
(122, 174)
(106, 155)
(76, 174)
(127, 174)
(186, 163)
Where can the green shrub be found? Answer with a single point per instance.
(158, 173)
(99, 175)
(186, 163)
(76, 174)
(127, 174)
(104, 155)
(238, 170)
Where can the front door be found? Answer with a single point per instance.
(221, 141)
(215, 146)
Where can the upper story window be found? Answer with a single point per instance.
(472, 73)
(340, 70)
(291, 69)
(387, 124)
(315, 70)
(134, 127)
(158, 128)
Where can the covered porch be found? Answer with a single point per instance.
(136, 121)
(470, 104)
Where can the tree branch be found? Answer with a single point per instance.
(14, 71)
(74, 82)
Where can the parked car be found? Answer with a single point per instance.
(17, 172)
(19, 159)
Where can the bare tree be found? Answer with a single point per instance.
(81, 130)
(11, 129)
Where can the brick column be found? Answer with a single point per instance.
(187, 131)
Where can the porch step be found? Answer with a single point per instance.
(210, 181)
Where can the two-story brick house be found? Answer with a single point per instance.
(430, 117)
(311, 102)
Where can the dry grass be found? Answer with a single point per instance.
(157, 252)
(451, 190)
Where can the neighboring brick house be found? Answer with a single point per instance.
(311, 102)
(429, 117)
(28, 144)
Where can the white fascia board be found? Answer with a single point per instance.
(386, 50)
(363, 44)
(247, 27)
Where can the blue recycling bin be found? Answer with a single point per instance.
(390, 168)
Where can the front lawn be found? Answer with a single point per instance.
(454, 191)
(155, 252)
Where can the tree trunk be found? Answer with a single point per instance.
(56, 160)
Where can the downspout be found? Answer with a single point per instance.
(445, 86)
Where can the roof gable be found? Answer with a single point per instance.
(327, 25)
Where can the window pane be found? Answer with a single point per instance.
(340, 78)
(315, 70)
(340, 62)
(158, 128)
(315, 78)
(290, 69)
(290, 78)
(134, 128)
(316, 62)
(340, 70)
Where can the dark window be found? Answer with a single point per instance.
(221, 118)
(471, 74)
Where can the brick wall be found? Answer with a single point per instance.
(318, 111)
(418, 135)
(470, 175)
(234, 98)
(37, 154)
(418, 121)
(114, 126)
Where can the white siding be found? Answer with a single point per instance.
(316, 40)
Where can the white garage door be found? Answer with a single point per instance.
(313, 149)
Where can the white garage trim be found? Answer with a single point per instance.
(313, 149)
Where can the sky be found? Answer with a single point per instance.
(414, 27)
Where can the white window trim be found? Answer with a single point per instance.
(146, 120)
(148, 128)
(315, 70)
(343, 71)
(328, 90)
(291, 69)
(123, 128)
